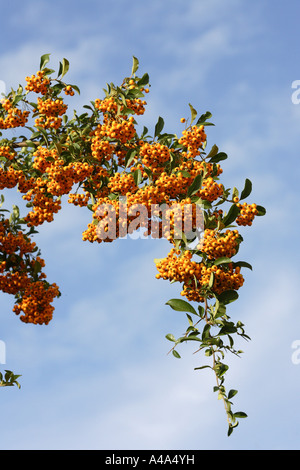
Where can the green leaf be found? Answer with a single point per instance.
(231, 215)
(221, 369)
(261, 210)
(185, 174)
(222, 260)
(231, 428)
(203, 118)
(195, 186)
(75, 87)
(193, 113)
(247, 189)
(144, 80)
(171, 337)
(159, 126)
(219, 157)
(137, 176)
(213, 152)
(205, 332)
(63, 67)
(176, 354)
(135, 65)
(44, 60)
(235, 192)
(181, 306)
(211, 280)
(243, 264)
(228, 296)
(37, 267)
(232, 393)
(202, 367)
(240, 414)
(226, 329)
(130, 155)
(201, 310)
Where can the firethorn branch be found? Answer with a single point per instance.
(99, 159)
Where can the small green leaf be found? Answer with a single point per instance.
(211, 280)
(222, 260)
(159, 126)
(203, 118)
(243, 264)
(190, 319)
(228, 296)
(176, 354)
(64, 67)
(171, 337)
(37, 267)
(195, 186)
(231, 428)
(144, 80)
(226, 329)
(247, 189)
(205, 332)
(135, 65)
(201, 310)
(232, 393)
(261, 210)
(130, 155)
(137, 176)
(235, 192)
(231, 215)
(202, 367)
(185, 174)
(181, 306)
(193, 113)
(213, 152)
(219, 157)
(240, 414)
(44, 60)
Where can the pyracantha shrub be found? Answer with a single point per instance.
(168, 186)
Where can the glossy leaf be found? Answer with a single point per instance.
(171, 337)
(247, 189)
(176, 354)
(218, 157)
(231, 215)
(44, 60)
(159, 126)
(193, 113)
(195, 186)
(181, 306)
(228, 296)
(261, 210)
(135, 65)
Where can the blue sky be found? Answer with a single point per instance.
(98, 376)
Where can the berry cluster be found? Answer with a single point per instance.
(154, 156)
(19, 277)
(7, 152)
(247, 213)
(13, 117)
(216, 245)
(105, 157)
(38, 83)
(192, 139)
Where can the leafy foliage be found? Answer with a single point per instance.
(98, 158)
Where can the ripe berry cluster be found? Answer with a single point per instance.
(106, 158)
